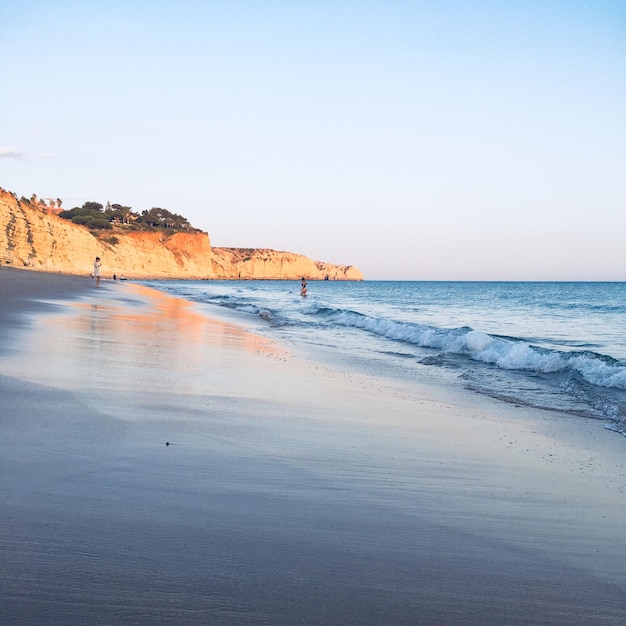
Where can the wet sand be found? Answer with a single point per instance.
(290, 494)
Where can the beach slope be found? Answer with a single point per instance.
(162, 466)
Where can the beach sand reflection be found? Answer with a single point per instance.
(150, 341)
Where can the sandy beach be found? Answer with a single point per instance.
(160, 466)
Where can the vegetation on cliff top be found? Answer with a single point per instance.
(95, 216)
(118, 217)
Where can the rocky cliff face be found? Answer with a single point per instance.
(250, 263)
(33, 238)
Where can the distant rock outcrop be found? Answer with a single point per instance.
(33, 237)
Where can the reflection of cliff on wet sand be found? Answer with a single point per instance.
(149, 341)
(181, 316)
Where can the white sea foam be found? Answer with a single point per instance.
(508, 354)
(597, 372)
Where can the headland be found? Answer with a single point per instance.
(33, 236)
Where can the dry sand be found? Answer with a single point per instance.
(291, 493)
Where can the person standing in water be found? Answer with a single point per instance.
(96, 270)
(303, 288)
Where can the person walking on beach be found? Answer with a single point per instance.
(96, 271)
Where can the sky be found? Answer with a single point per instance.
(423, 140)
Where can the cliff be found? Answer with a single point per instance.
(271, 264)
(32, 237)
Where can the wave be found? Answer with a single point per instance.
(504, 352)
(585, 308)
(553, 360)
(508, 353)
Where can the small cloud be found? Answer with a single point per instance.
(11, 152)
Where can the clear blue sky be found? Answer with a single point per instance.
(416, 140)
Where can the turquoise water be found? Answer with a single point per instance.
(557, 346)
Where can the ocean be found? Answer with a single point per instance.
(557, 346)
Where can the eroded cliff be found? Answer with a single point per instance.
(31, 237)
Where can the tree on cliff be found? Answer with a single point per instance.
(162, 218)
(121, 213)
(92, 206)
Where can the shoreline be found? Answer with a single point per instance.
(133, 276)
(293, 492)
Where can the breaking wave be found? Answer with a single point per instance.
(507, 353)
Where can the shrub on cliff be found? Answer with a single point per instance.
(88, 210)
(92, 222)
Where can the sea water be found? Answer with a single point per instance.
(550, 345)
